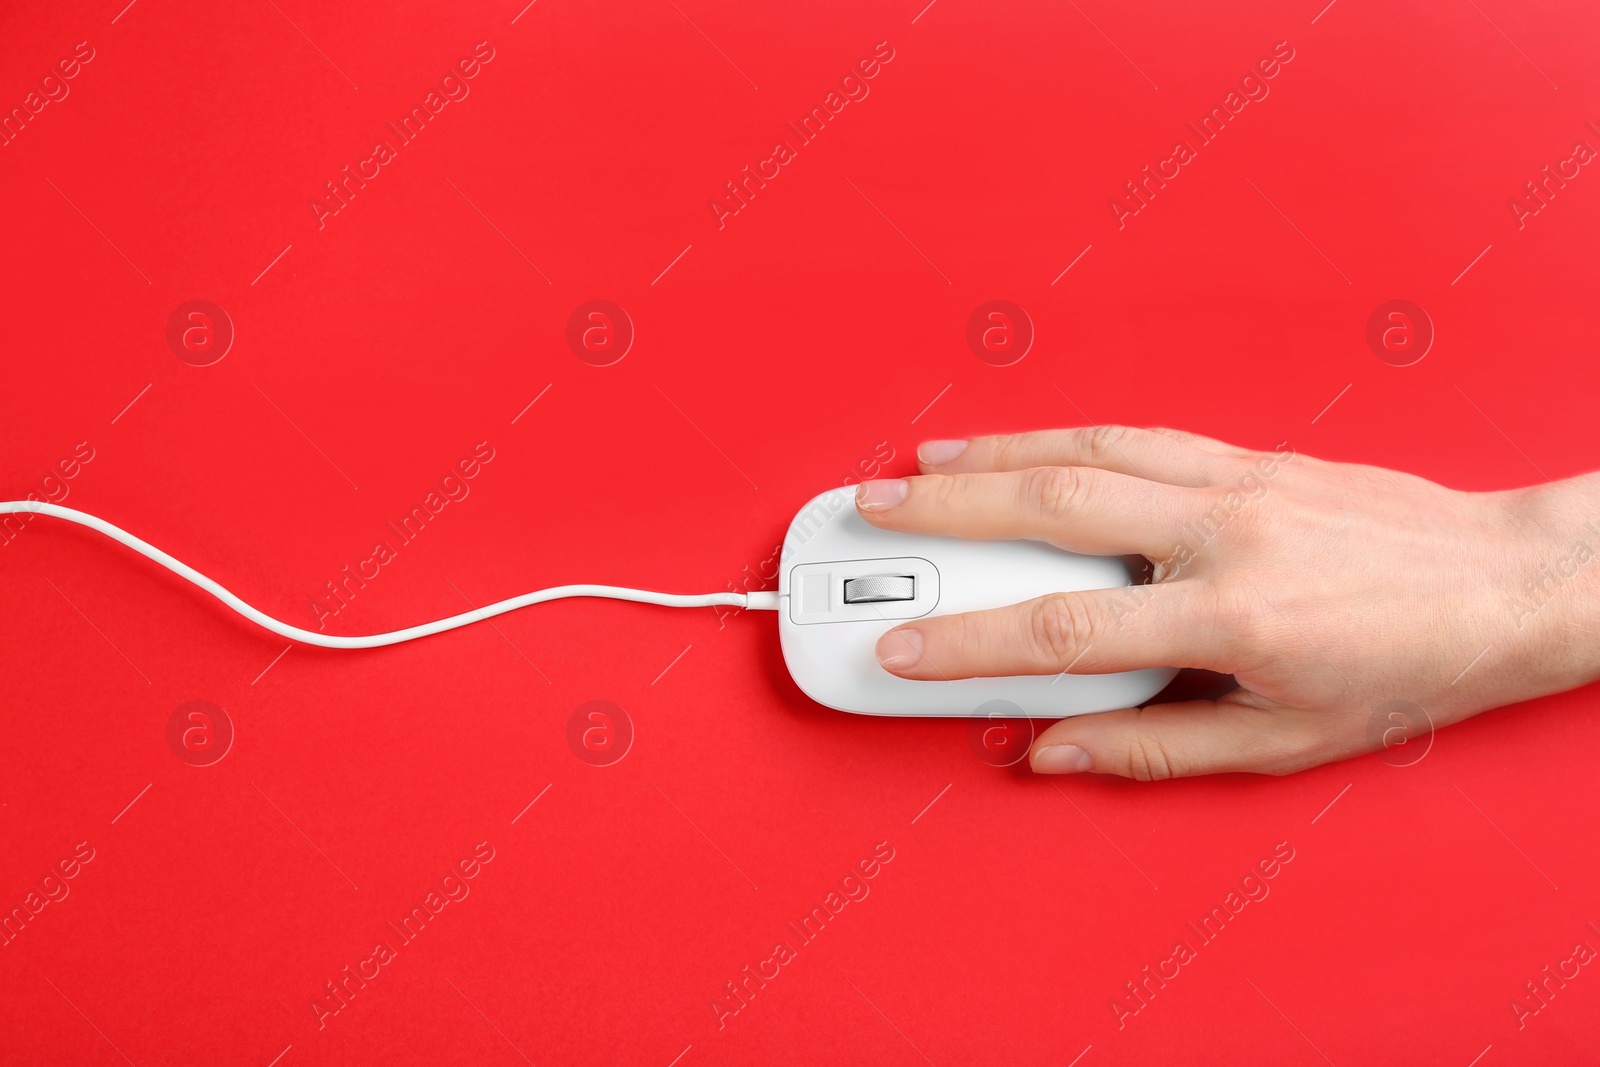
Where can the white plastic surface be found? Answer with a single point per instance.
(829, 646)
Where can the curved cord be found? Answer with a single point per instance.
(411, 633)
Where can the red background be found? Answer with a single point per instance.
(771, 359)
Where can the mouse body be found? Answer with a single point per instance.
(843, 583)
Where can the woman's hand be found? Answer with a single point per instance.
(1330, 591)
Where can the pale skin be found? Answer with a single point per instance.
(1327, 590)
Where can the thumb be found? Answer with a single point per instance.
(1184, 738)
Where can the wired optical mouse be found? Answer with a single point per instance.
(843, 583)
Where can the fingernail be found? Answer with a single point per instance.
(899, 649)
(1061, 759)
(933, 453)
(881, 495)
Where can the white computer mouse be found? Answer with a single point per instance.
(843, 583)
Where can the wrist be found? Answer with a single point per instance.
(1554, 584)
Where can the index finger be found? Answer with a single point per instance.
(1097, 631)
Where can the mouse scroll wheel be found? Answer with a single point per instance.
(880, 588)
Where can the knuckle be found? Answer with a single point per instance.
(937, 491)
(970, 640)
(1244, 624)
(1101, 443)
(1148, 759)
(1060, 627)
(1182, 437)
(1231, 514)
(1056, 492)
(1008, 449)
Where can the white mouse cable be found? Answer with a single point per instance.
(759, 600)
